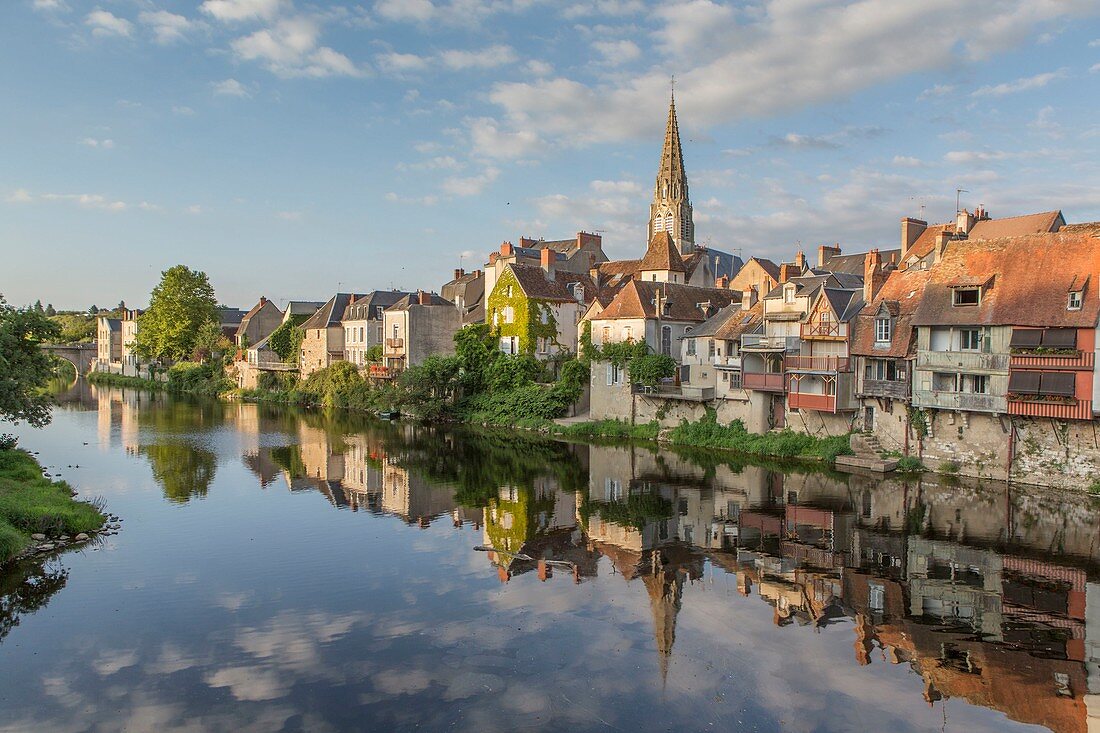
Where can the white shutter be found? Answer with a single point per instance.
(610, 377)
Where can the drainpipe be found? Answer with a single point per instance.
(1011, 449)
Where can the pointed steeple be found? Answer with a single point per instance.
(671, 208)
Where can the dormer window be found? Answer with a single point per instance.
(961, 297)
(1074, 302)
(788, 294)
(578, 292)
(883, 330)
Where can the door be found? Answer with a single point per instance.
(666, 340)
(778, 417)
(868, 419)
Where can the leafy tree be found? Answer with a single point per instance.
(374, 353)
(121, 307)
(430, 387)
(50, 310)
(180, 305)
(24, 367)
(476, 349)
(210, 342)
(75, 327)
(182, 470)
(38, 306)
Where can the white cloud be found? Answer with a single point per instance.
(969, 157)
(194, 209)
(49, 5)
(1019, 85)
(83, 200)
(489, 140)
(629, 187)
(1045, 123)
(290, 48)
(906, 161)
(166, 27)
(399, 63)
(182, 110)
(452, 12)
(105, 24)
(470, 185)
(405, 10)
(795, 140)
(936, 90)
(19, 196)
(539, 68)
(781, 56)
(1095, 68)
(238, 10)
(439, 162)
(1095, 43)
(616, 53)
(230, 88)
(604, 8)
(416, 200)
(289, 215)
(92, 142)
(486, 58)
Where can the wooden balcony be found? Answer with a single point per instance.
(967, 361)
(891, 389)
(763, 382)
(1060, 410)
(808, 401)
(1072, 360)
(817, 363)
(392, 343)
(960, 401)
(830, 331)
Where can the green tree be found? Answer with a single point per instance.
(24, 367)
(38, 306)
(50, 311)
(210, 342)
(180, 305)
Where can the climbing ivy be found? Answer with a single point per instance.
(527, 323)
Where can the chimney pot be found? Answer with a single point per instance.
(424, 298)
(459, 272)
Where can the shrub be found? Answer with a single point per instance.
(650, 369)
(707, 433)
(949, 467)
(910, 464)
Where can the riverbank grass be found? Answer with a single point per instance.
(31, 503)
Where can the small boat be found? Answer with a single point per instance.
(389, 414)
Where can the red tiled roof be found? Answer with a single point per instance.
(900, 295)
(1031, 277)
(744, 322)
(1016, 226)
(662, 255)
(635, 300)
(535, 284)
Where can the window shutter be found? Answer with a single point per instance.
(609, 377)
(1023, 338)
(1060, 384)
(1059, 338)
(1023, 382)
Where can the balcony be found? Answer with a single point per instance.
(808, 401)
(892, 389)
(763, 382)
(969, 361)
(276, 366)
(960, 401)
(1071, 409)
(817, 363)
(395, 344)
(1066, 360)
(760, 342)
(727, 362)
(672, 392)
(381, 371)
(831, 331)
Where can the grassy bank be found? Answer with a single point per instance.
(31, 503)
(186, 377)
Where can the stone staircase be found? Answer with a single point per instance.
(868, 456)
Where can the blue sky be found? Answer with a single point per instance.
(291, 148)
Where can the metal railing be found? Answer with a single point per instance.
(761, 342)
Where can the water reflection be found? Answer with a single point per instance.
(27, 588)
(984, 594)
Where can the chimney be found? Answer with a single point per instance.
(964, 222)
(873, 275)
(547, 260)
(748, 297)
(478, 274)
(800, 261)
(826, 253)
(263, 300)
(911, 229)
(506, 249)
(787, 271)
(459, 272)
(722, 283)
(594, 273)
(981, 214)
(424, 298)
(941, 244)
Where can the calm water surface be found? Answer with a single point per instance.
(288, 571)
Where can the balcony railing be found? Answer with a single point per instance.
(392, 343)
(897, 390)
(381, 371)
(727, 362)
(276, 366)
(817, 363)
(829, 330)
(760, 342)
(1069, 360)
(960, 401)
(763, 382)
(962, 360)
(673, 392)
(1068, 410)
(808, 401)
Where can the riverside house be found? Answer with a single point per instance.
(258, 323)
(417, 326)
(363, 324)
(323, 340)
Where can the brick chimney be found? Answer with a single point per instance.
(722, 283)
(506, 249)
(586, 239)
(787, 271)
(749, 296)
(873, 275)
(911, 229)
(548, 259)
(826, 252)
(941, 243)
(423, 297)
(800, 261)
(459, 272)
(263, 300)
(965, 221)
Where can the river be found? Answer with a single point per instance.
(281, 570)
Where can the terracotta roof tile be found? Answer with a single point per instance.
(662, 255)
(745, 322)
(636, 300)
(1016, 226)
(535, 284)
(900, 296)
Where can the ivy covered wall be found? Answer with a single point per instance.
(527, 314)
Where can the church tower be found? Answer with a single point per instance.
(671, 208)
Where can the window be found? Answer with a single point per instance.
(395, 330)
(710, 348)
(966, 296)
(614, 375)
(628, 333)
(788, 294)
(666, 340)
(970, 339)
(735, 380)
(508, 291)
(883, 332)
(509, 314)
(691, 347)
(362, 334)
(543, 345)
(654, 277)
(975, 383)
(578, 292)
(509, 344)
(544, 315)
(1074, 303)
(606, 335)
(380, 331)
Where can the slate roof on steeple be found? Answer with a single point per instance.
(672, 155)
(662, 255)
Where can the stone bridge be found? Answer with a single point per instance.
(79, 355)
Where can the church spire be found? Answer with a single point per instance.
(671, 207)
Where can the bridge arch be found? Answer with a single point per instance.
(80, 356)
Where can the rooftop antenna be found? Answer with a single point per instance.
(958, 194)
(920, 201)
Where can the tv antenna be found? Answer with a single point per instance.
(958, 194)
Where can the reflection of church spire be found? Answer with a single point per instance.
(665, 588)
